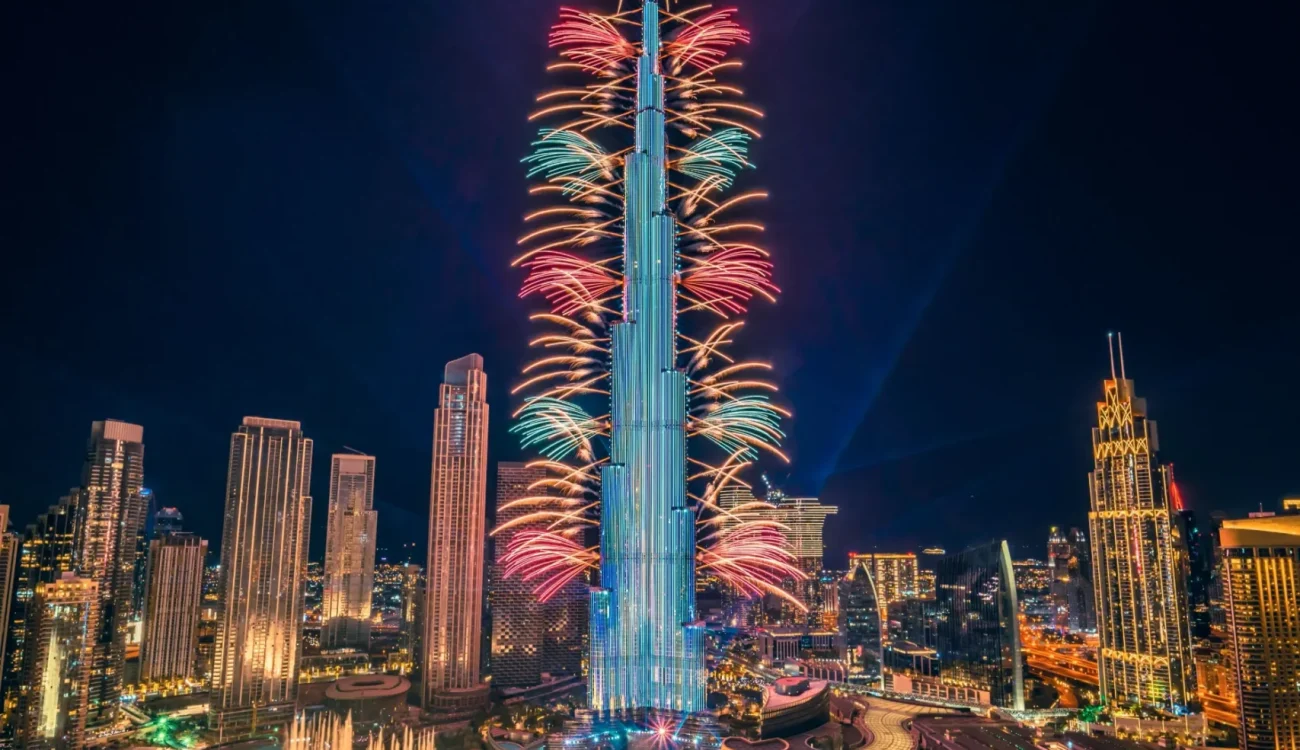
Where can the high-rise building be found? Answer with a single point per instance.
(173, 598)
(620, 318)
(457, 535)
(1262, 586)
(58, 659)
(1080, 593)
(412, 627)
(1145, 654)
(927, 566)
(517, 623)
(564, 642)
(530, 638)
(1070, 569)
(860, 620)
(805, 519)
(9, 543)
(146, 531)
(1197, 549)
(647, 650)
(1058, 554)
(168, 521)
(349, 553)
(977, 623)
(827, 601)
(48, 549)
(895, 574)
(263, 566)
(110, 516)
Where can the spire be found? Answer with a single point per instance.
(1110, 345)
(1120, 336)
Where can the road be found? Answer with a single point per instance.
(885, 722)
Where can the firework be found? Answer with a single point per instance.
(573, 255)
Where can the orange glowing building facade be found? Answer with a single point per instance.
(457, 528)
(263, 569)
(349, 552)
(1145, 655)
(1261, 575)
(58, 663)
(110, 513)
(173, 600)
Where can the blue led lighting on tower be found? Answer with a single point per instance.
(645, 149)
(646, 648)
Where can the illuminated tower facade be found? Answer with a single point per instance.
(895, 574)
(457, 536)
(349, 553)
(173, 598)
(1145, 654)
(263, 568)
(110, 516)
(1262, 588)
(63, 617)
(647, 649)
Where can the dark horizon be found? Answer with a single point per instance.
(303, 212)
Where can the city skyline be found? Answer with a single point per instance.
(718, 518)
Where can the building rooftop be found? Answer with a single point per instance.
(457, 370)
(775, 701)
(969, 732)
(363, 687)
(272, 424)
(1273, 531)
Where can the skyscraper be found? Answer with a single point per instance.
(565, 639)
(263, 564)
(805, 519)
(58, 659)
(1071, 573)
(349, 553)
(977, 623)
(517, 624)
(173, 597)
(1145, 654)
(9, 543)
(412, 627)
(146, 531)
(1262, 587)
(457, 535)
(1081, 595)
(895, 574)
(48, 549)
(647, 650)
(1197, 547)
(860, 620)
(612, 279)
(109, 519)
(167, 521)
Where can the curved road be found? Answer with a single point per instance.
(885, 721)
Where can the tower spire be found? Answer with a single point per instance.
(1110, 346)
(1120, 336)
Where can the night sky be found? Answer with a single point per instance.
(302, 210)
